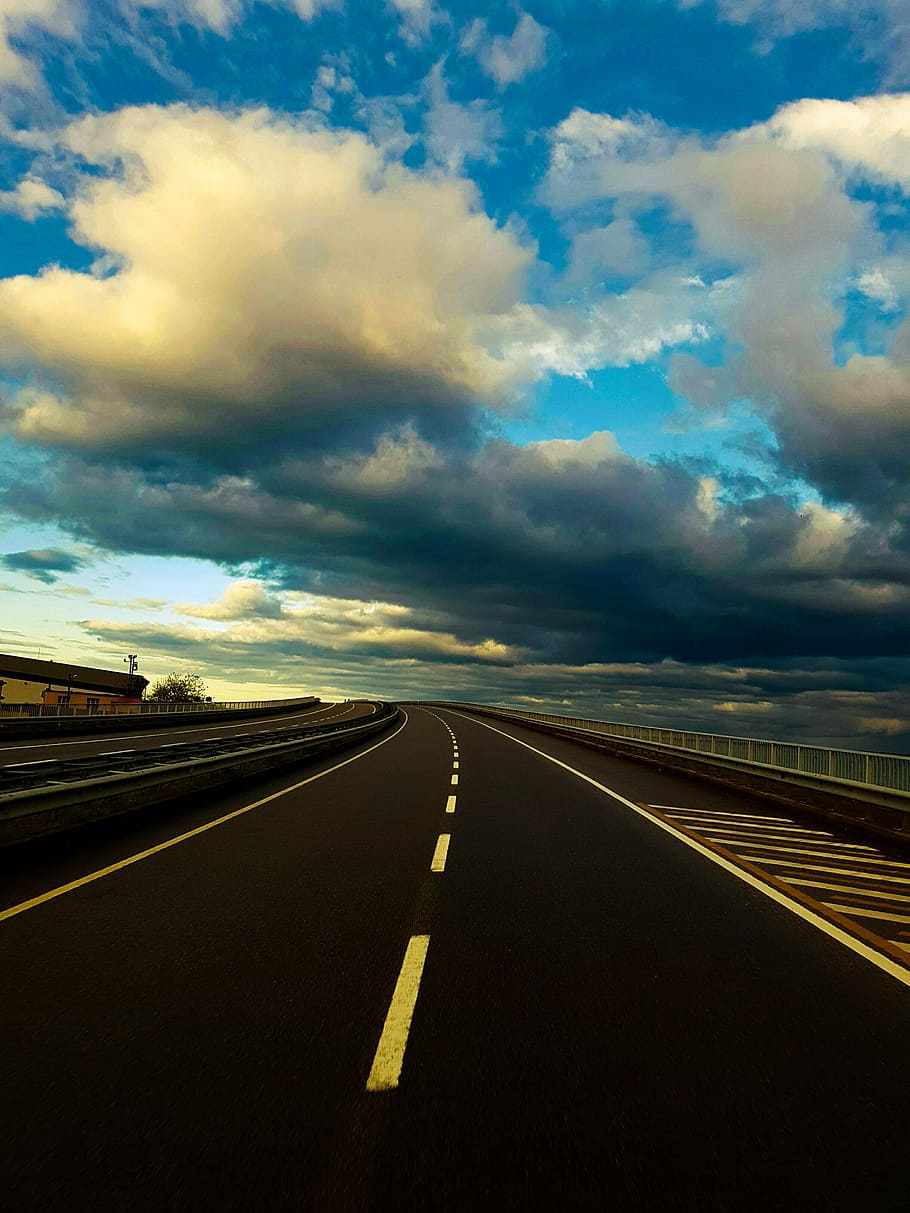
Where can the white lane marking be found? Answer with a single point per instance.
(817, 867)
(455, 765)
(35, 762)
(385, 1071)
(106, 754)
(209, 825)
(885, 963)
(454, 780)
(670, 808)
(865, 912)
(169, 745)
(438, 863)
(450, 805)
(858, 889)
(202, 728)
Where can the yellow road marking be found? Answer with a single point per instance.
(172, 842)
(881, 961)
(439, 855)
(386, 1069)
(678, 809)
(755, 840)
(863, 912)
(455, 766)
(722, 823)
(860, 890)
(891, 864)
(454, 780)
(450, 805)
(817, 867)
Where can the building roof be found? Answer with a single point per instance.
(65, 673)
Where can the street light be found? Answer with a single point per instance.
(133, 659)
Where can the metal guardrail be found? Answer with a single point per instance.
(855, 769)
(17, 711)
(35, 811)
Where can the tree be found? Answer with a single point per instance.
(179, 688)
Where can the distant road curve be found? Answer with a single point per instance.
(34, 750)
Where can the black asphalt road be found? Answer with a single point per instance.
(34, 749)
(606, 1020)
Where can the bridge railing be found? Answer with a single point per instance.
(815, 764)
(139, 708)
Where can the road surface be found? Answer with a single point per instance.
(387, 981)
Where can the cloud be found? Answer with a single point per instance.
(507, 58)
(266, 277)
(458, 132)
(30, 199)
(773, 205)
(44, 564)
(417, 19)
(241, 600)
(878, 27)
(23, 21)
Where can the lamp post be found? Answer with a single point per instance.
(133, 659)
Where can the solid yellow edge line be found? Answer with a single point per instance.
(386, 1069)
(172, 842)
(882, 962)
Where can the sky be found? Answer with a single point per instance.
(549, 354)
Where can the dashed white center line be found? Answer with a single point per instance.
(454, 780)
(455, 765)
(386, 1069)
(450, 805)
(439, 855)
(108, 753)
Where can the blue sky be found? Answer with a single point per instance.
(549, 353)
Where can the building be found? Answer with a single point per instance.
(25, 680)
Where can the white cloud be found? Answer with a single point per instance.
(870, 136)
(507, 58)
(879, 28)
(458, 132)
(24, 19)
(266, 269)
(240, 600)
(31, 198)
(417, 19)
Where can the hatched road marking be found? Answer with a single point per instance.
(867, 866)
(886, 954)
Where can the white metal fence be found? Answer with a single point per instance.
(887, 771)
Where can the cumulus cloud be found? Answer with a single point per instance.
(507, 58)
(260, 269)
(240, 600)
(773, 204)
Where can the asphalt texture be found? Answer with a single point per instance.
(606, 1019)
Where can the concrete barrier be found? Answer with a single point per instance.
(33, 814)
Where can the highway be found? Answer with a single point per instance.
(465, 966)
(127, 741)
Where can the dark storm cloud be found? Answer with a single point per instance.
(569, 550)
(45, 564)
